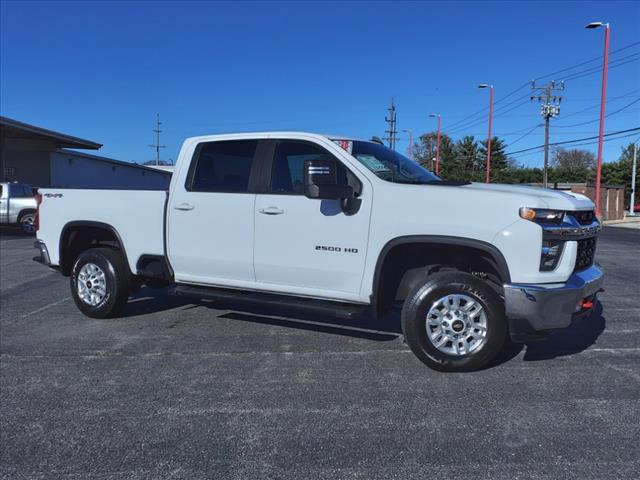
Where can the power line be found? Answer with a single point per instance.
(467, 121)
(628, 94)
(595, 142)
(597, 119)
(501, 99)
(612, 52)
(526, 134)
(613, 64)
(499, 112)
(574, 141)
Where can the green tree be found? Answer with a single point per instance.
(424, 151)
(500, 164)
(463, 161)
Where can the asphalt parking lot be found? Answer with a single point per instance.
(185, 391)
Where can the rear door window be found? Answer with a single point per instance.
(20, 191)
(222, 166)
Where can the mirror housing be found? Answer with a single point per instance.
(321, 181)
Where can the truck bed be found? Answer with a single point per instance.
(136, 215)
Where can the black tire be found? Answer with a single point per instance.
(27, 222)
(414, 321)
(116, 275)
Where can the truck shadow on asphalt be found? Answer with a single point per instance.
(9, 232)
(568, 341)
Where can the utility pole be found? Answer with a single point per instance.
(391, 120)
(157, 145)
(633, 179)
(489, 137)
(550, 108)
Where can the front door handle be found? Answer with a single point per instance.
(271, 211)
(184, 206)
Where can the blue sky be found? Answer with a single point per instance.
(102, 70)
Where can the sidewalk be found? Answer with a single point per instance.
(627, 222)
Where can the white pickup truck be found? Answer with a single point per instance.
(337, 225)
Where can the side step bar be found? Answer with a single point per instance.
(237, 299)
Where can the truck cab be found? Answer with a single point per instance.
(337, 224)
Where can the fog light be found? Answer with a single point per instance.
(550, 254)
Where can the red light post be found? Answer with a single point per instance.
(485, 85)
(603, 95)
(437, 144)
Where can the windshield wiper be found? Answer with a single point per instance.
(410, 182)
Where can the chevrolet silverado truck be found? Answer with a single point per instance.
(339, 226)
(17, 206)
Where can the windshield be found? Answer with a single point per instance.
(391, 166)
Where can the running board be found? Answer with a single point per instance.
(237, 299)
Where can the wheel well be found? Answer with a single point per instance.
(75, 239)
(406, 264)
(25, 212)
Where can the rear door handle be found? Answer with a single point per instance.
(184, 206)
(271, 211)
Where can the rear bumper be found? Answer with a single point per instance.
(44, 253)
(544, 307)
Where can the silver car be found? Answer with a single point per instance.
(17, 205)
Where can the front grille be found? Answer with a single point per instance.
(586, 252)
(585, 217)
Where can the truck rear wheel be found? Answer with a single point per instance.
(454, 322)
(100, 282)
(27, 222)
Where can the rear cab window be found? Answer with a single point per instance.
(223, 166)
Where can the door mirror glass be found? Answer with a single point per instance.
(321, 181)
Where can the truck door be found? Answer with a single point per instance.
(307, 246)
(210, 228)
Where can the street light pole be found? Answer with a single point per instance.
(484, 85)
(437, 144)
(603, 95)
(633, 180)
(410, 142)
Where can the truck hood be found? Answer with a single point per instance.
(544, 197)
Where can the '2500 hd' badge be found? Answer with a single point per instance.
(336, 249)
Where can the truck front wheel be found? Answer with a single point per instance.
(100, 282)
(454, 322)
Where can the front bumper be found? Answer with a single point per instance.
(545, 307)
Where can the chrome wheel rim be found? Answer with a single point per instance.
(457, 324)
(28, 224)
(91, 284)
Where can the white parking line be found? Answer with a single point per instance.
(613, 350)
(45, 307)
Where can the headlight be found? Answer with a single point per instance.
(541, 215)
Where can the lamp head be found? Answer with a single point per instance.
(595, 25)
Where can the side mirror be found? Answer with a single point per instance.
(321, 181)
